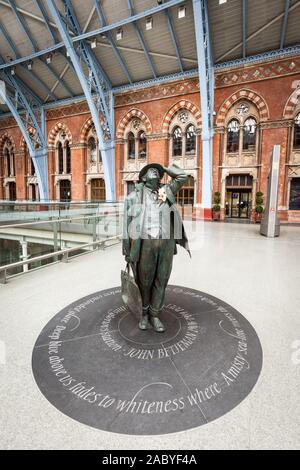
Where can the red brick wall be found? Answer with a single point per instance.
(272, 82)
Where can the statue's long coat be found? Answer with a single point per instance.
(133, 219)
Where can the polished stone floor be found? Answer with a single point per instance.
(259, 277)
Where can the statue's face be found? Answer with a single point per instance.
(152, 173)
(152, 178)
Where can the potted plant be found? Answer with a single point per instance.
(216, 207)
(258, 206)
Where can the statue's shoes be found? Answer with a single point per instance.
(144, 323)
(157, 324)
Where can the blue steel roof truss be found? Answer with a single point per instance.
(284, 23)
(15, 51)
(174, 39)
(111, 41)
(132, 19)
(26, 31)
(245, 21)
(142, 40)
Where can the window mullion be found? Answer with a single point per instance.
(136, 147)
(241, 140)
(183, 153)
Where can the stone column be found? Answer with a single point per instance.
(1, 177)
(198, 195)
(119, 166)
(52, 171)
(24, 255)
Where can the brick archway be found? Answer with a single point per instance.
(183, 104)
(292, 104)
(249, 95)
(133, 113)
(55, 130)
(3, 138)
(86, 128)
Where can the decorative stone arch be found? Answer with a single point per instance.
(3, 138)
(55, 130)
(183, 104)
(124, 121)
(86, 128)
(245, 94)
(292, 104)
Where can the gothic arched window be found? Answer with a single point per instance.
(177, 142)
(92, 149)
(131, 145)
(191, 140)
(233, 136)
(63, 154)
(297, 132)
(9, 159)
(249, 135)
(60, 155)
(142, 143)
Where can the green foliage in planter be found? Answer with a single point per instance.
(259, 209)
(217, 200)
(217, 197)
(259, 201)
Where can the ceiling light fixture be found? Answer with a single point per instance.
(149, 23)
(12, 71)
(49, 59)
(119, 34)
(94, 44)
(181, 12)
(30, 65)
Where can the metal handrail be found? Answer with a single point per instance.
(50, 221)
(65, 252)
(54, 203)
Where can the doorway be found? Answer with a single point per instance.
(32, 192)
(295, 194)
(238, 199)
(98, 190)
(185, 198)
(65, 190)
(12, 191)
(238, 204)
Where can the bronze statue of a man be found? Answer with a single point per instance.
(152, 228)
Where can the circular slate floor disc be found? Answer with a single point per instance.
(93, 363)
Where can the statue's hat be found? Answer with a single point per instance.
(152, 165)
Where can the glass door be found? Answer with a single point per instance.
(235, 203)
(244, 205)
(232, 204)
(238, 204)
